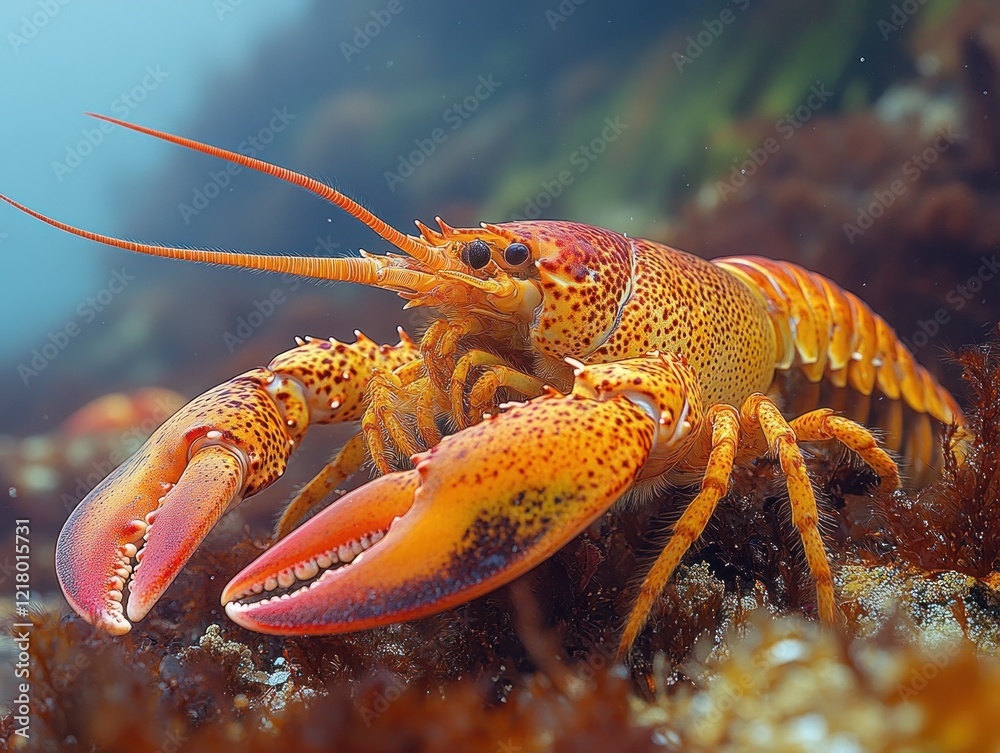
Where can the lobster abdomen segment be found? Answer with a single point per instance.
(829, 333)
(834, 340)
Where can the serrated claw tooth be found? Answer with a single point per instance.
(306, 571)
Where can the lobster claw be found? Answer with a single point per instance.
(97, 545)
(479, 509)
(159, 505)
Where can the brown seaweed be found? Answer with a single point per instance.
(955, 524)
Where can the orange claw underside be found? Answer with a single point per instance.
(335, 536)
(470, 518)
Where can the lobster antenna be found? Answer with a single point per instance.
(366, 270)
(403, 242)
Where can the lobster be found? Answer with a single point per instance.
(574, 365)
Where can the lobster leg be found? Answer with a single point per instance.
(340, 468)
(426, 412)
(442, 339)
(760, 412)
(474, 514)
(482, 396)
(423, 393)
(396, 396)
(727, 438)
(496, 374)
(390, 429)
(725, 425)
(822, 424)
(225, 445)
(385, 425)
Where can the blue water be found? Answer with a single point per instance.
(149, 63)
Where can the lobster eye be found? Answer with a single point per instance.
(516, 254)
(476, 254)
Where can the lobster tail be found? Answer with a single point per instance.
(844, 355)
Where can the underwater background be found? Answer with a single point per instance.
(860, 139)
